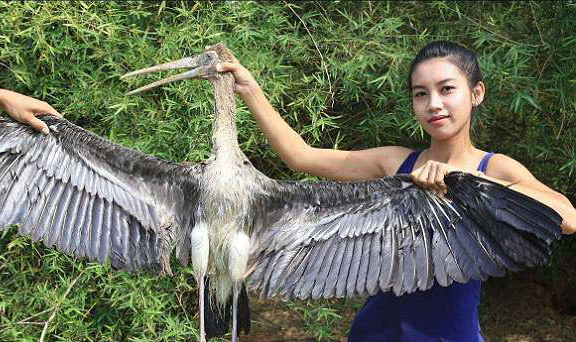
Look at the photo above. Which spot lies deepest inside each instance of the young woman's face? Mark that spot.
(441, 98)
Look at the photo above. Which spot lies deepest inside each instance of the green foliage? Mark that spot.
(336, 71)
(319, 318)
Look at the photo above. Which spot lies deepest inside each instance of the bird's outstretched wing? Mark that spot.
(91, 198)
(332, 239)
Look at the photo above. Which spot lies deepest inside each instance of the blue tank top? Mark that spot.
(440, 314)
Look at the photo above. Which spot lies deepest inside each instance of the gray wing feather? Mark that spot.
(374, 264)
(76, 229)
(272, 277)
(84, 236)
(59, 215)
(423, 256)
(91, 198)
(389, 260)
(68, 225)
(354, 266)
(344, 268)
(321, 268)
(321, 277)
(466, 252)
(331, 239)
(314, 260)
(363, 266)
(301, 262)
(335, 268)
(104, 252)
(397, 277)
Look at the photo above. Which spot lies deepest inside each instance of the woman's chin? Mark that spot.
(440, 133)
(444, 132)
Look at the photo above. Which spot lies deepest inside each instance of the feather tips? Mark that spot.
(86, 202)
(349, 239)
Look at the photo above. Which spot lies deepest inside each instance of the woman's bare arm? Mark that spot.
(511, 173)
(297, 154)
(505, 171)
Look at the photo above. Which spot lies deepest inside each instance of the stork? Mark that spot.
(94, 199)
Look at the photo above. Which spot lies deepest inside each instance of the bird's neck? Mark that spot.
(224, 137)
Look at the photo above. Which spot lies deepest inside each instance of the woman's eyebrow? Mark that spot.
(446, 80)
(437, 83)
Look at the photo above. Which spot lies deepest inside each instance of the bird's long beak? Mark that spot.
(189, 62)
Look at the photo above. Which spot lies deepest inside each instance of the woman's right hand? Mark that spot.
(245, 83)
(24, 109)
(431, 176)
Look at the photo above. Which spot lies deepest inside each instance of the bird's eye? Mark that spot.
(206, 59)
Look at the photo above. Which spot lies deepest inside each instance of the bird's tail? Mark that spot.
(217, 321)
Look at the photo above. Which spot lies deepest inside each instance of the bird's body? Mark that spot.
(228, 185)
(226, 207)
(91, 198)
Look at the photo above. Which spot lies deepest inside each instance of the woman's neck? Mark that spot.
(455, 150)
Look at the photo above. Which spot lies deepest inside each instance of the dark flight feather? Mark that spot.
(478, 229)
(91, 198)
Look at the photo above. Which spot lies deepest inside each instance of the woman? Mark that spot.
(446, 85)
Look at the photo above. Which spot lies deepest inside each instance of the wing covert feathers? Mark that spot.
(88, 197)
(330, 239)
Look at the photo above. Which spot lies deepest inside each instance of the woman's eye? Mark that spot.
(447, 89)
(419, 94)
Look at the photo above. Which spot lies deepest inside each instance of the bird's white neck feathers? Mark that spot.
(225, 137)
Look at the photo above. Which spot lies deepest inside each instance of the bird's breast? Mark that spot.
(226, 195)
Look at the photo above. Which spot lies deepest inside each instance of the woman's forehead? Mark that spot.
(434, 71)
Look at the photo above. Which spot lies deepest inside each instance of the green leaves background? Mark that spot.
(337, 73)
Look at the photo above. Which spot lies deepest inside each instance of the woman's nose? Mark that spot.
(435, 103)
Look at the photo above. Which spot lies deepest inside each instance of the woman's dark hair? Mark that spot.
(464, 59)
(458, 55)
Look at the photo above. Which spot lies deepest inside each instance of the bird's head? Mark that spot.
(202, 66)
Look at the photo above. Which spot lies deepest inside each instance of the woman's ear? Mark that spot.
(478, 93)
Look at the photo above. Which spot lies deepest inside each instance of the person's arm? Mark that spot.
(23, 108)
(297, 154)
(511, 173)
(507, 172)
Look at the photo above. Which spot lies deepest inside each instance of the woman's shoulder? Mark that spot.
(504, 167)
(391, 157)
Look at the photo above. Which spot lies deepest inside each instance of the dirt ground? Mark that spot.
(518, 308)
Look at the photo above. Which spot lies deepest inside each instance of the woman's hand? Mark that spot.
(431, 176)
(24, 109)
(245, 83)
(568, 227)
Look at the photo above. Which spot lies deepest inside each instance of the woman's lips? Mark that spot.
(438, 120)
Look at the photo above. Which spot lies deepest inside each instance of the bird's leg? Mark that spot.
(235, 312)
(199, 253)
(202, 337)
(237, 264)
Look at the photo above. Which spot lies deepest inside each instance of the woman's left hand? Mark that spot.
(24, 109)
(431, 176)
(568, 227)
